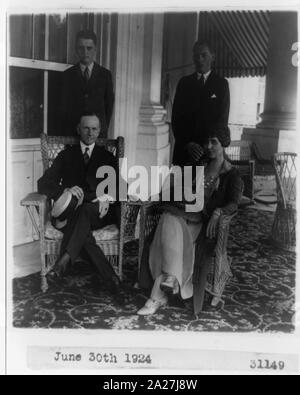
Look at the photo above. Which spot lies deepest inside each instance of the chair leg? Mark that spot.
(199, 288)
(120, 266)
(120, 263)
(44, 283)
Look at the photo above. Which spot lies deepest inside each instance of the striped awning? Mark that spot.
(240, 40)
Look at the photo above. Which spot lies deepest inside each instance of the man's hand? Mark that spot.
(195, 151)
(212, 227)
(76, 191)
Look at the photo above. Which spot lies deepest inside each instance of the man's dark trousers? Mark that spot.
(78, 237)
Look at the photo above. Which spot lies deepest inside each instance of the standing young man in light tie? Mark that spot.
(87, 86)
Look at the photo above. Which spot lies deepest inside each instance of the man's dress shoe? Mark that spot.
(114, 285)
(116, 290)
(61, 265)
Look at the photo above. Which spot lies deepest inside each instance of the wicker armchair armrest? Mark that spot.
(132, 203)
(34, 199)
(150, 215)
(223, 234)
(38, 209)
(225, 220)
(129, 215)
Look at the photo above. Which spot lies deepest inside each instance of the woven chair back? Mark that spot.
(52, 145)
(239, 151)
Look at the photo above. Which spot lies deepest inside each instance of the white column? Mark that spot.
(153, 146)
(277, 130)
(129, 80)
(281, 81)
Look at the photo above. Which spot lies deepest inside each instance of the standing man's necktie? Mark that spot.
(86, 156)
(201, 81)
(86, 75)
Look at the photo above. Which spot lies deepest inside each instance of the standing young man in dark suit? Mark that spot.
(87, 86)
(201, 104)
(74, 170)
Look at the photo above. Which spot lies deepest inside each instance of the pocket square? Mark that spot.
(213, 96)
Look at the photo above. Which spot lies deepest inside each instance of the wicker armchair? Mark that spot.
(150, 216)
(284, 226)
(111, 240)
(239, 154)
(245, 156)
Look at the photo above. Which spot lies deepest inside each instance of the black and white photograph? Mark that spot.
(103, 104)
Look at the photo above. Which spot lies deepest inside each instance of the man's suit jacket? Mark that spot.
(68, 170)
(96, 96)
(196, 110)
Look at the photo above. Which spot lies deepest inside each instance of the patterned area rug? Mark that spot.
(259, 297)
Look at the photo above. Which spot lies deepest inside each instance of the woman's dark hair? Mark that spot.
(222, 134)
(86, 34)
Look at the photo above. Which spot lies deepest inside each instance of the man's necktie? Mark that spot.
(201, 81)
(86, 74)
(86, 156)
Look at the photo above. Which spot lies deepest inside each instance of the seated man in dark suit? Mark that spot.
(74, 170)
(201, 104)
(87, 86)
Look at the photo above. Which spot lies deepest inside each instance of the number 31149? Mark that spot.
(267, 365)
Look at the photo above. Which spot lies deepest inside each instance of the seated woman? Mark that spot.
(184, 238)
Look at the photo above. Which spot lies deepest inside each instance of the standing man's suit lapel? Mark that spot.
(210, 83)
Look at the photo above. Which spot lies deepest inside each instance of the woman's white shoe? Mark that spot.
(215, 301)
(152, 306)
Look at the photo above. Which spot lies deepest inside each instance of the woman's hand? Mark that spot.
(103, 209)
(213, 225)
(195, 151)
(104, 202)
